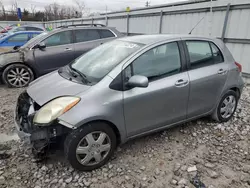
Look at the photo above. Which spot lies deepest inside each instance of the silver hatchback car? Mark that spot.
(127, 88)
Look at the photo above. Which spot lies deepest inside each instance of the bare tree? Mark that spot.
(48, 12)
(3, 9)
(62, 12)
(14, 7)
(55, 10)
(80, 6)
(33, 9)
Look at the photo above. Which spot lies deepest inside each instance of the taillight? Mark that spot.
(239, 66)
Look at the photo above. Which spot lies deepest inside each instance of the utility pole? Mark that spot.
(211, 18)
(147, 3)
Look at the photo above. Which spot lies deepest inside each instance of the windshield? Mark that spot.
(101, 60)
(34, 39)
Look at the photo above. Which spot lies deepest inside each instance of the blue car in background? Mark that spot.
(16, 39)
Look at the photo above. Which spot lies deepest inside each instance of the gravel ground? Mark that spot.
(215, 154)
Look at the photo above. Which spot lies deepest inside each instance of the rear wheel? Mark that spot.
(17, 75)
(90, 146)
(226, 108)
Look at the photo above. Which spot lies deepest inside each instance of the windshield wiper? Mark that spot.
(83, 76)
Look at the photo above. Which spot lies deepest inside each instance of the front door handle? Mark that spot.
(222, 71)
(68, 49)
(181, 83)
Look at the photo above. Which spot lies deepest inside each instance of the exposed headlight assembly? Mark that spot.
(54, 109)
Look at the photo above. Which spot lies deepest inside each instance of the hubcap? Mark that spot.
(93, 148)
(18, 77)
(228, 106)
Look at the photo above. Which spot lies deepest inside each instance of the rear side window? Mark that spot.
(199, 53)
(217, 55)
(203, 53)
(19, 38)
(106, 33)
(57, 39)
(84, 35)
(35, 34)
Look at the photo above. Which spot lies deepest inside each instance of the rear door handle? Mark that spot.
(222, 71)
(68, 49)
(181, 83)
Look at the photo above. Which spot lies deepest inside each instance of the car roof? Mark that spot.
(150, 39)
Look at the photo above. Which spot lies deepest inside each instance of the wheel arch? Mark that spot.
(112, 125)
(237, 91)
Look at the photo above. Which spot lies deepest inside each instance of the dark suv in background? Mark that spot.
(51, 50)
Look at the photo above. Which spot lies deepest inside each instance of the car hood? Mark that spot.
(52, 86)
(10, 57)
(5, 49)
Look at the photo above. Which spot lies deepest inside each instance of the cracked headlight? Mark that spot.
(54, 109)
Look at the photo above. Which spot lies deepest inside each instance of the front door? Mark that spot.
(207, 73)
(59, 51)
(164, 101)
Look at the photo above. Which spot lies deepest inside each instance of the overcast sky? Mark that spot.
(92, 5)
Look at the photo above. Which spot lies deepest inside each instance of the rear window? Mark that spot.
(106, 33)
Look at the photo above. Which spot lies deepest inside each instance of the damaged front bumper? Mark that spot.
(38, 136)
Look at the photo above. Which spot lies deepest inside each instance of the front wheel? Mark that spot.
(90, 146)
(226, 108)
(17, 75)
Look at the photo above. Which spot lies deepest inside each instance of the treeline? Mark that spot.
(52, 11)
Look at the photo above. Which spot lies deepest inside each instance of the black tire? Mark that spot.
(18, 66)
(217, 114)
(73, 139)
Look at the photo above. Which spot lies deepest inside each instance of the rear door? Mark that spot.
(59, 52)
(207, 73)
(85, 40)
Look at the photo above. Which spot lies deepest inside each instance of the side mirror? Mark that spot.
(138, 81)
(16, 47)
(41, 45)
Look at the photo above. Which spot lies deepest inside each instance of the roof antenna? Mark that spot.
(196, 26)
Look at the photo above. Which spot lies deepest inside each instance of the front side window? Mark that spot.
(98, 62)
(57, 39)
(84, 35)
(199, 53)
(106, 33)
(158, 62)
(19, 38)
